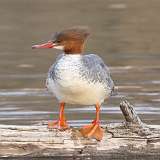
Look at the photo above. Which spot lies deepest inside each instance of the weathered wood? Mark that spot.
(132, 120)
(129, 114)
(119, 139)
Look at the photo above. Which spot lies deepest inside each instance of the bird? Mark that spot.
(77, 78)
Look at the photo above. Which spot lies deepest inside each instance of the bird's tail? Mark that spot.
(114, 91)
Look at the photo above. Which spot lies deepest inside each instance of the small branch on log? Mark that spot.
(129, 114)
(132, 120)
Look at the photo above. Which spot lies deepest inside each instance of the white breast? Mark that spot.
(71, 88)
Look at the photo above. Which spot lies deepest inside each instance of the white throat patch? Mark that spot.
(59, 47)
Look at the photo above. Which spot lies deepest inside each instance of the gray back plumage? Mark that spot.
(95, 70)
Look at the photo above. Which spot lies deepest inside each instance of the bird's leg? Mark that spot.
(61, 122)
(93, 130)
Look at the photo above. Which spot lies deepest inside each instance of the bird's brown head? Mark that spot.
(70, 40)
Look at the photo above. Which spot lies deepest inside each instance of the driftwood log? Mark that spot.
(130, 139)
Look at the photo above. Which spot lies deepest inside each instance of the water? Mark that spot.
(124, 33)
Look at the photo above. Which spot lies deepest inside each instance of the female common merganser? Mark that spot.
(76, 78)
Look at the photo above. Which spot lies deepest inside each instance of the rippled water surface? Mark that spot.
(124, 33)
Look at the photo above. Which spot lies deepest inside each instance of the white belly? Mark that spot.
(77, 91)
(70, 87)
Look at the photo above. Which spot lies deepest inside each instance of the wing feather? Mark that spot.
(97, 70)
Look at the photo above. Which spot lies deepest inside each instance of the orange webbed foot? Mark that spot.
(61, 124)
(92, 131)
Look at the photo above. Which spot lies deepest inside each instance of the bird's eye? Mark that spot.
(58, 41)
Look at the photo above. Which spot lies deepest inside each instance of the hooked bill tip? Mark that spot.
(33, 47)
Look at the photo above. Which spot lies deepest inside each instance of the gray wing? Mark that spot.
(97, 71)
